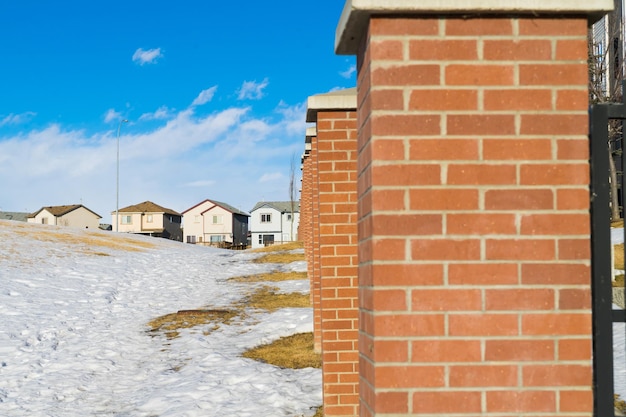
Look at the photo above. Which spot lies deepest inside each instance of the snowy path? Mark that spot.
(73, 338)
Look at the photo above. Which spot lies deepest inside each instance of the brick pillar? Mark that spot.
(474, 275)
(335, 117)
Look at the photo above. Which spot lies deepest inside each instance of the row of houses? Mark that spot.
(208, 223)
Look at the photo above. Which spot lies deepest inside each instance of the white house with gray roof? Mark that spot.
(272, 222)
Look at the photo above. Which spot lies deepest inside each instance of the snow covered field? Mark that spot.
(74, 307)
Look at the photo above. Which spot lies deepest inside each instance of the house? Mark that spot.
(214, 223)
(149, 219)
(273, 222)
(14, 215)
(75, 215)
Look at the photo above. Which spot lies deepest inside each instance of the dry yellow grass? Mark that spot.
(294, 352)
(618, 223)
(267, 298)
(618, 251)
(274, 276)
(278, 248)
(169, 324)
(280, 258)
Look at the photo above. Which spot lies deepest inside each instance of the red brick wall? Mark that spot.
(474, 275)
(336, 137)
(314, 261)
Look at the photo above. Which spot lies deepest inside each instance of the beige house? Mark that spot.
(75, 215)
(149, 219)
(216, 224)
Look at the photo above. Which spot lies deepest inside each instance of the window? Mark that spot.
(289, 217)
(44, 220)
(191, 239)
(216, 238)
(266, 218)
(217, 219)
(149, 218)
(127, 220)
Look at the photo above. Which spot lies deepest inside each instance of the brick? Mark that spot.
(525, 99)
(383, 300)
(572, 50)
(507, 149)
(553, 27)
(403, 125)
(481, 174)
(407, 224)
(388, 150)
(478, 27)
(520, 249)
(405, 174)
(572, 199)
(556, 274)
(519, 199)
(443, 49)
(516, 350)
(387, 50)
(480, 224)
(388, 200)
(572, 99)
(553, 74)
(573, 149)
(575, 249)
(426, 74)
(392, 402)
(551, 124)
(574, 349)
(407, 274)
(483, 324)
(556, 375)
(480, 124)
(403, 26)
(443, 199)
(445, 249)
(519, 299)
(556, 324)
(521, 401)
(443, 149)
(413, 325)
(445, 300)
(482, 274)
(407, 376)
(555, 224)
(574, 299)
(554, 174)
(443, 99)
(391, 351)
(448, 351)
(580, 401)
(483, 375)
(387, 99)
(447, 402)
(517, 50)
(483, 75)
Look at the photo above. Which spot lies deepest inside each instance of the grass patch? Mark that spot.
(270, 276)
(169, 324)
(319, 412)
(278, 248)
(266, 298)
(618, 281)
(279, 258)
(91, 240)
(294, 352)
(618, 251)
(619, 403)
(618, 223)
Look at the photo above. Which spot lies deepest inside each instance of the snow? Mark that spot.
(74, 339)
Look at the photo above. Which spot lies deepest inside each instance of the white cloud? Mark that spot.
(17, 119)
(271, 177)
(349, 72)
(205, 96)
(252, 90)
(111, 115)
(189, 158)
(149, 56)
(161, 113)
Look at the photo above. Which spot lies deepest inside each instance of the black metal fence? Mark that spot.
(609, 319)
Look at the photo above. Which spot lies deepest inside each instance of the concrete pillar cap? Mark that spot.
(335, 100)
(356, 13)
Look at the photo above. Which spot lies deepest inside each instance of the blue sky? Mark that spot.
(214, 94)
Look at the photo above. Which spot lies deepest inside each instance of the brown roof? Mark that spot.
(58, 211)
(148, 207)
